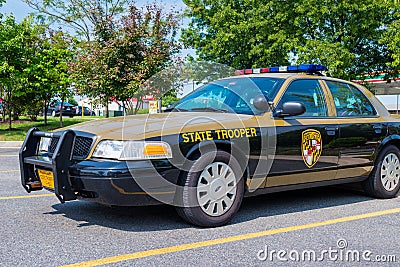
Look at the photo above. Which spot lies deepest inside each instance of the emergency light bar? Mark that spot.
(308, 68)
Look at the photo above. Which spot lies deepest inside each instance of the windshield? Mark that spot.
(229, 95)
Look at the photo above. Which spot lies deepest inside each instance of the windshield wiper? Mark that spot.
(210, 109)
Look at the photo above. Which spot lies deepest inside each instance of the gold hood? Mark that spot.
(138, 127)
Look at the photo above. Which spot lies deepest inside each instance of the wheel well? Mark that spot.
(395, 142)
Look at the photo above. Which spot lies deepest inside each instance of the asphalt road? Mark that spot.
(284, 229)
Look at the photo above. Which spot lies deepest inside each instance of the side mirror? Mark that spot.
(290, 109)
(260, 102)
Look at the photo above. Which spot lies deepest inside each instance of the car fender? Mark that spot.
(393, 139)
(226, 145)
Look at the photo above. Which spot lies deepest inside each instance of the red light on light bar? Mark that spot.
(248, 71)
(264, 70)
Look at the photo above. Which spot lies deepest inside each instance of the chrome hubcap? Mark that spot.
(390, 172)
(216, 189)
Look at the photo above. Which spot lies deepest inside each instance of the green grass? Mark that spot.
(143, 111)
(21, 127)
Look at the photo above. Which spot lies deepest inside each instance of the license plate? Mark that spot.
(46, 178)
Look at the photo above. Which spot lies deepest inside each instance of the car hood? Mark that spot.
(138, 127)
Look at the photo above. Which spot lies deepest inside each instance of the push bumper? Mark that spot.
(103, 181)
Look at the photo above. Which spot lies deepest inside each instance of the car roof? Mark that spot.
(286, 75)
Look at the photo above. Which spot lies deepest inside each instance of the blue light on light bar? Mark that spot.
(311, 67)
(292, 68)
(274, 69)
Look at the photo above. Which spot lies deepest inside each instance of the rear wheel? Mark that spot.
(384, 181)
(212, 190)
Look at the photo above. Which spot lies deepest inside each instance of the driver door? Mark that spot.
(305, 150)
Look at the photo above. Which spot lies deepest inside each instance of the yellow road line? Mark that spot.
(183, 247)
(27, 196)
(9, 170)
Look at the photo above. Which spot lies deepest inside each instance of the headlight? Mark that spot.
(132, 150)
(44, 144)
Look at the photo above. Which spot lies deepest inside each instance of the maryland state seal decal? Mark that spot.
(311, 146)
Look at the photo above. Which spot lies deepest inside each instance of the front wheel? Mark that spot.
(213, 190)
(384, 181)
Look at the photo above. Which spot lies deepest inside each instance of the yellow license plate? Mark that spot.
(46, 178)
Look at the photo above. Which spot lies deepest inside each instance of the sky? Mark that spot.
(20, 9)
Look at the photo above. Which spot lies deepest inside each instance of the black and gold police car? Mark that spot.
(264, 130)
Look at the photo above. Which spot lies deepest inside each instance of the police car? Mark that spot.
(263, 130)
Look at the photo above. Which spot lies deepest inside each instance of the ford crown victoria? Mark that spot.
(264, 130)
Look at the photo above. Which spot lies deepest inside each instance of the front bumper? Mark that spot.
(103, 181)
(125, 183)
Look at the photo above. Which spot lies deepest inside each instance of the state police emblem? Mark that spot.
(311, 146)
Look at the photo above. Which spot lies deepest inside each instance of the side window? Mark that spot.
(349, 101)
(309, 93)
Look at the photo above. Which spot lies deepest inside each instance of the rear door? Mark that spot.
(360, 129)
(303, 152)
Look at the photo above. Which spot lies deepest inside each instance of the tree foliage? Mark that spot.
(33, 66)
(86, 17)
(240, 34)
(141, 44)
(47, 72)
(18, 42)
(391, 38)
(344, 35)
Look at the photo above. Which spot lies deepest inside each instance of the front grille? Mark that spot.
(81, 148)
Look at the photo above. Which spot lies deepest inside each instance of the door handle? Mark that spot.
(331, 130)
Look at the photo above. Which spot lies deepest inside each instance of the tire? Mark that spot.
(384, 180)
(210, 201)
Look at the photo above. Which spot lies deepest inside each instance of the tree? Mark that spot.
(17, 45)
(47, 72)
(141, 44)
(84, 16)
(240, 34)
(392, 39)
(344, 35)
(72, 101)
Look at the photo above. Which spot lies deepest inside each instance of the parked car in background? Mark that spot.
(68, 109)
(87, 111)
